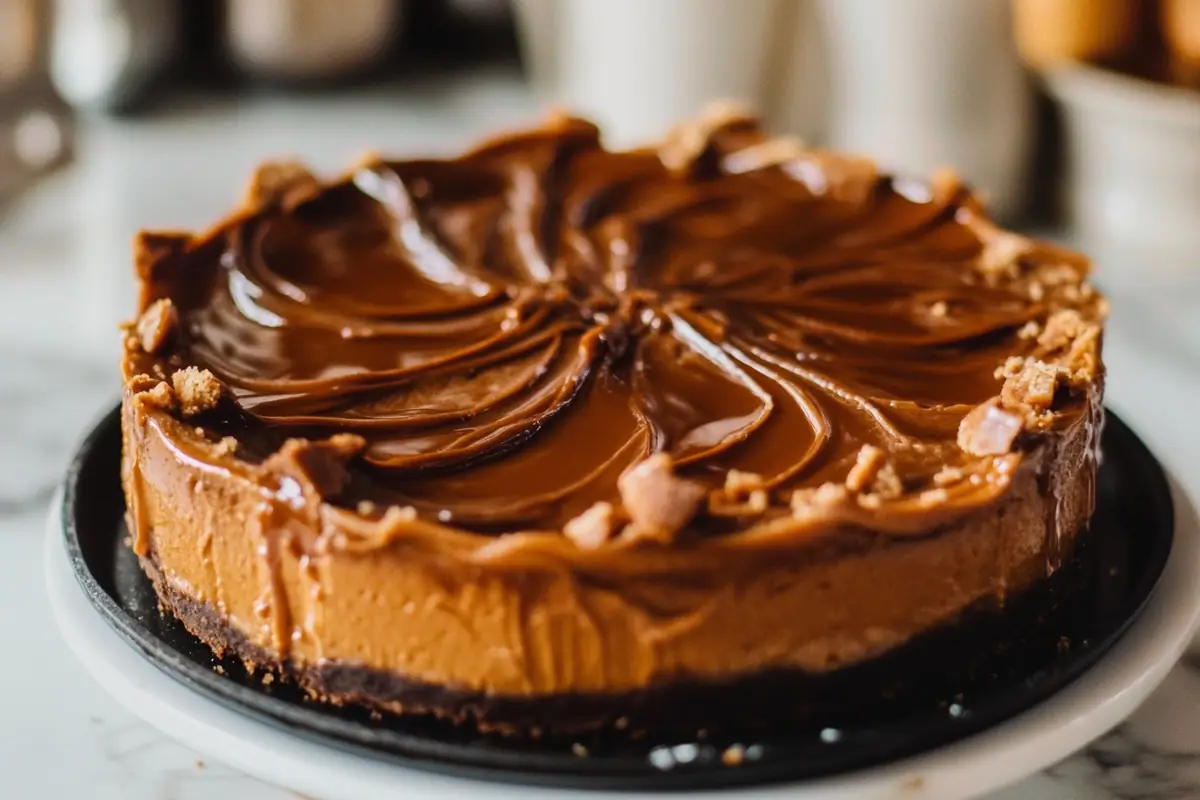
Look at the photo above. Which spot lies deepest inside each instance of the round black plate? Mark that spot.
(963, 680)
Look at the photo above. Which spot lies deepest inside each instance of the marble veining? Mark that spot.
(57, 373)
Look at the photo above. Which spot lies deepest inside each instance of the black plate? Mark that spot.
(959, 681)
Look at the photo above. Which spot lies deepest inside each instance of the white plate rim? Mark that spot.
(1058, 726)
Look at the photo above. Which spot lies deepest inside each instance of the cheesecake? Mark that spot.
(524, 437)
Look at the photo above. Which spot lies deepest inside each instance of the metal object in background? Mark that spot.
(35, 126)
(290, 41)
(109, 54)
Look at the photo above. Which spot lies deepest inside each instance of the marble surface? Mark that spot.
(64, 283)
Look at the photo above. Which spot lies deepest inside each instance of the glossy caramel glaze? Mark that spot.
(511, 330)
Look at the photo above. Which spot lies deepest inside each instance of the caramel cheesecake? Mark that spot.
(518, 437)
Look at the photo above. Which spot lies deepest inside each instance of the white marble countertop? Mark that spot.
(60, 735)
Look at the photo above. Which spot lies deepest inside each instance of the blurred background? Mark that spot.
(1078, 119)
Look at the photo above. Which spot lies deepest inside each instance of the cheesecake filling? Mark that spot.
(552, 418)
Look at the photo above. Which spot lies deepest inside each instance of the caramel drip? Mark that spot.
(512, 329)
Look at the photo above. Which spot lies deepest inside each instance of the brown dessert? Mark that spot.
(518, 436)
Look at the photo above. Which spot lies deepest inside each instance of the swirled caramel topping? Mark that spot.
(727, 333)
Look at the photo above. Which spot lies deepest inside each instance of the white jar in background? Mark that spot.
(922, 84)
(797, 92)
(1133, 172)
(637, 67)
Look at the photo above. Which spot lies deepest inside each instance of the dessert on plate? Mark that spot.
(524, 437)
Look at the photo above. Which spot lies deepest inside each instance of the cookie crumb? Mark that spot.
(279, 182)
(686, 142)
(161, 396)
(157, 325)
(868, 464)
(658, 502)
(989, 430)
(815, 502)
(1002, 255)
(1062, 328)
(948, 475)
(198, 390)
(771, 153)
(226, 447)
(887, 483)
(871, 502)
(593, 527)
(744, 494)
(1033, 386)
(932, 497)
(1011, 367)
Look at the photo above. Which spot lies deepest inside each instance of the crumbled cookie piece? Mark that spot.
(284, 182)
(948, 475)
(771, 153)
(198, 390)
(744, 494)
(884, 485)
(686, 142)
(157, 325)
(1030, 330)
(944, 184)
(872, 502)
(868, 464)
(838, 176)
(887, 483)
(346, 445)
(939, 310)
(161, 395)
(989, 430)
(1033, 387)
(932, 497)
(1037, 291)
(1056, 275)
(818, 501)
(658, 502)
(1062, 328)
(1011, 366)
(1001, 255)
(226, 447)
(395, 515)
(593, 527)
(1083, 359)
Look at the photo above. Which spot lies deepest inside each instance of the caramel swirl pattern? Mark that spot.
(510, 331)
